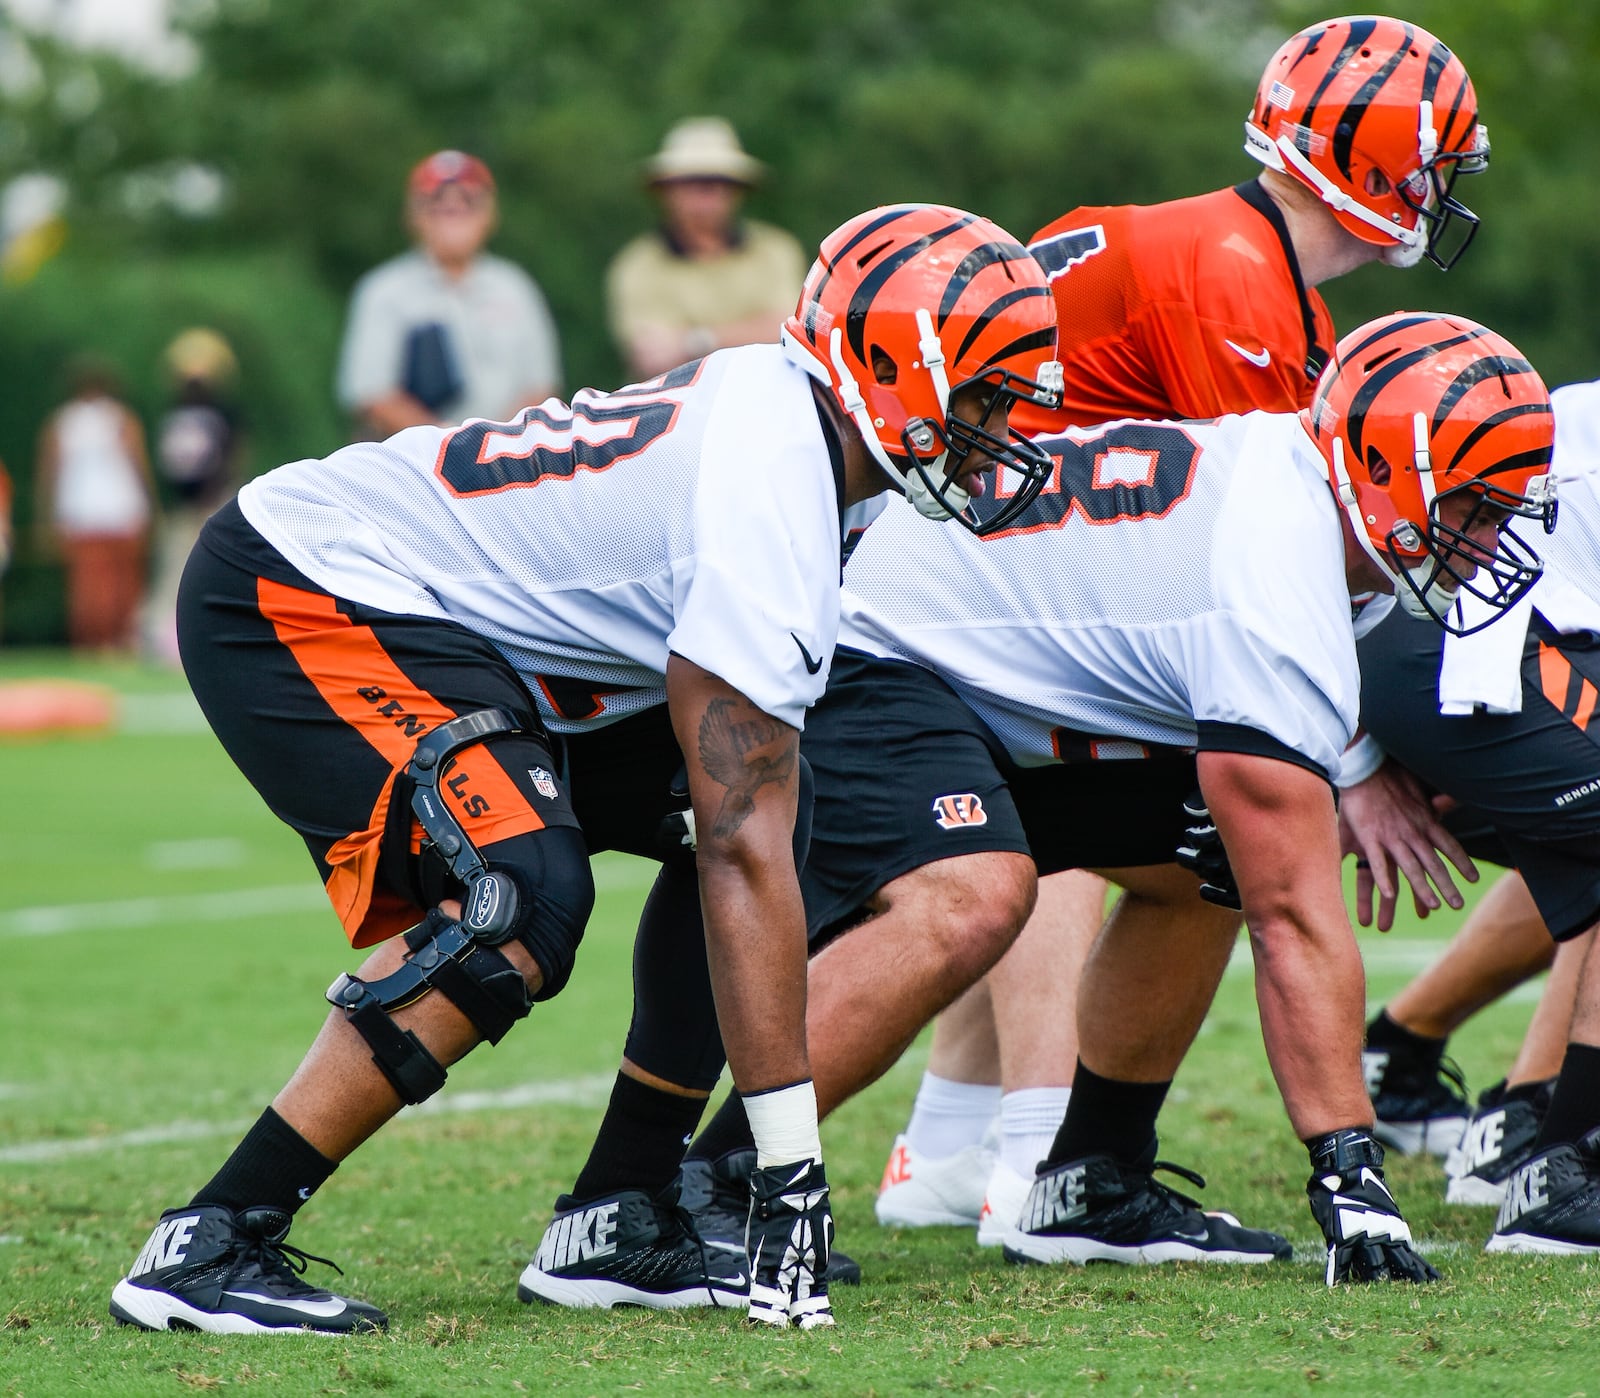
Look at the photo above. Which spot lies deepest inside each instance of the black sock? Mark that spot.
(1404, 1047)
(641, 1140)
(273, 1167)
(1107, 1117)
(728, 1129)
(1575, 1103)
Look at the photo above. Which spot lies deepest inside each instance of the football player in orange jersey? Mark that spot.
(1197, 308)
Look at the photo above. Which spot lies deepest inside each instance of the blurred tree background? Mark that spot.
(249, 192)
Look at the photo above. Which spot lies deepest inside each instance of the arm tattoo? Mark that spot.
(737, 753)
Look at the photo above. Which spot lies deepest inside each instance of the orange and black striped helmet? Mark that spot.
(1417, 406)
(1378, 118)
(904, 306)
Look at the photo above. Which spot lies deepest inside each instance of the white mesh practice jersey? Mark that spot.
(1170, 575)
(1572, 553)
(697, 513)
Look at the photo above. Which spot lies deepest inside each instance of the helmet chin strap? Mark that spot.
(908, 479)
(1284, 156)
(1416, 581)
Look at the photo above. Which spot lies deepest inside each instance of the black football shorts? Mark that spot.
(1528, 783)
(907, 774)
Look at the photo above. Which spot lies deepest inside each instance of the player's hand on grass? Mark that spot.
(1368, 1238)
(788, 1239)
(1389, 823)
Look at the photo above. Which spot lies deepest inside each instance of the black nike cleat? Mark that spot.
(631, 1250)
(717, 1196)
(1099, 1210)
(1552, 1202)
(1499, 1137)
(208, 1268)
(1421, 1108)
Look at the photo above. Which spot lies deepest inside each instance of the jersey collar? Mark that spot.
(835, 444)
(1258, 199)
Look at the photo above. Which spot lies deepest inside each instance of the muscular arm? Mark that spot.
(743, 778)
(1277, 821)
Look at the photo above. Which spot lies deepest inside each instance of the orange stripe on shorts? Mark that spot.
(361, 683)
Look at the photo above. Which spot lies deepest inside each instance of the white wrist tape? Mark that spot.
(784, 1124)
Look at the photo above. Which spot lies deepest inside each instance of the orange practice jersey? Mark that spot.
(1189, 309)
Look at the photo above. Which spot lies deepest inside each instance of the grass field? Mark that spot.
(164, 950)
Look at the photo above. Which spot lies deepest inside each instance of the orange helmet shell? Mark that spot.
(1375, 115)
(1415, 406)
(986, 297)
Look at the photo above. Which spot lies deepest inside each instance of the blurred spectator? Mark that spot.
(705, 279)
(197, 456)
(446, 331)
(93, 493)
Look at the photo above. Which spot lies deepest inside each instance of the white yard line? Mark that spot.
(587, 1091)
(610, 876)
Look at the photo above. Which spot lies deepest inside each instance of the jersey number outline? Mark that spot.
(1061, 252)
(484, 458)
(1127, 471)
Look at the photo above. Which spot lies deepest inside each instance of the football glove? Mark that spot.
(1204, 856)
(787, 1240)
(1368, 1239)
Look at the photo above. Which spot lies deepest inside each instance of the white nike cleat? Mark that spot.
(920, 1191)
(1002, 1204)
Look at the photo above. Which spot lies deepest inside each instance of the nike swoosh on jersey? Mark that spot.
(332, 1307)
(1260, 358)
(812, 666)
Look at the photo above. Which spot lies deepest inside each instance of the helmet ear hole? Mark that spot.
(884, 369)
(1378, 468)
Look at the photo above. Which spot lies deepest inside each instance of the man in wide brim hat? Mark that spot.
(705, 279)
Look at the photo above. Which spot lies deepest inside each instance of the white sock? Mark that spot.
(950, 1116)
(1029, 1120)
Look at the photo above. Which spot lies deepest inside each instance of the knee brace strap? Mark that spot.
(444, 956)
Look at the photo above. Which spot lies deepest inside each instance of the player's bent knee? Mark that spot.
(551, 868)
(972, 906)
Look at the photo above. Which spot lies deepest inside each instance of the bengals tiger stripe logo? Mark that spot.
(959, 809)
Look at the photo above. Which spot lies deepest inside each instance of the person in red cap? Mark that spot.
(446, 331)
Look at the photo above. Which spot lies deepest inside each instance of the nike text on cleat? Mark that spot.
(1420, 1108)
(1002, 1204)
(630, 1250)
(1100, 1210)
(225, 1273)
(1260, 358)
(1552, 1202)
(920, 1191)
(1500, 1136)
(717, 1195)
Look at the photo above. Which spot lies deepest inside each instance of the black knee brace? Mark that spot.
(461, 957)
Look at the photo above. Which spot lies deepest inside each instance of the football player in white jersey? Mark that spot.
(458, 661)
(1503, 723)
(1179, 607)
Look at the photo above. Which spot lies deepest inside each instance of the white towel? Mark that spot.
(1485, 668)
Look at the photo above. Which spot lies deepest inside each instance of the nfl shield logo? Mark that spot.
(543, 783)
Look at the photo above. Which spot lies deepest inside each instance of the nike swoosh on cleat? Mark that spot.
(1260, 358)
(326, 1309)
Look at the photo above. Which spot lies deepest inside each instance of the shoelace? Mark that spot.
(1451, 1072)
(685, 1220)
(277, 1256)
(1192, 1176)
